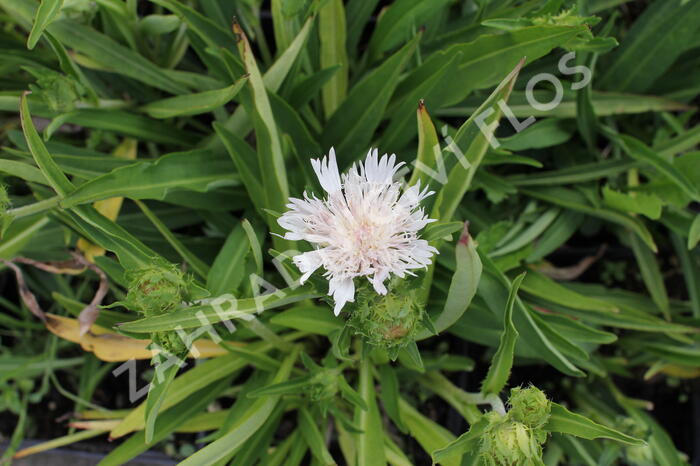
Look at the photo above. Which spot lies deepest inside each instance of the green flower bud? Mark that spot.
(635, 454)
(324, 385)
(388, 321)
(529, 406)
(170, 342)
(156, 289)
(508, 443)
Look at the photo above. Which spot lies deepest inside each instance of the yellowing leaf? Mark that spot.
(112, 347)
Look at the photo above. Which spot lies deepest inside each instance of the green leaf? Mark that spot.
(657, 38)
(527, 236)
(694, 233)
(651, 274)
(193, 261)
(493, 288)
(543, 133)
(230, 308)
(112, 55)
(487, 59)
(53, 173)
(270, 157)
(429, 154)
(580, 173)
(47, 11)
(540, 285)
(331, 32)
(19, 233)
(639, 151)
(430, 435)
(471, 143)
(193, 104)
(639, 203)
(314, 438)
(167, 423)
(198, 170)
(245, 160)
(502, 361)
(440, 230)
(129, 124)
(369, 443)
(465, 443)
(210, 32)
(463, 285)
(573, 200)
(23, 170)
(398, 21)
(564, 421)
(604, 104)
(297, 385)
(350, 128)
(247, 424)
(308, 318)
(162, 379)
(390, 395)
(228, 270)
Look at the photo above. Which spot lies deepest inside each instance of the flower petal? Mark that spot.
(342, 290)
(377, 280)
(327, 172)
(307, 263)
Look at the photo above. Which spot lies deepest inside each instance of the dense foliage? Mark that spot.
(150, 292)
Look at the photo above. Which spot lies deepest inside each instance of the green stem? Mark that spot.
(34, 208)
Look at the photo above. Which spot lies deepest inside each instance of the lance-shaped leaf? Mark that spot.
(352, 125)
(47, 11)
(502, 361)
(466, 442)
(430, 435)
(53, 173)
(112, 55)
(198, 170)
(163, 376)
(370, 443)
(331, 31)
(429, 168)
(220, 309)
(565, 422)
(201, 268)
(469, 147)
(187, 383)
(651, 274)
(463, 286)
(193, 104)
(247, 424)
(574, 200)
(493, 288)
(640, 151)
(168, 422)
(314, 438)
(270, 158)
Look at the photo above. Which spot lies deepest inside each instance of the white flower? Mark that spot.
(365, 228)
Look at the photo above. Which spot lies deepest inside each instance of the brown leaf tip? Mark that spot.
(464, 237)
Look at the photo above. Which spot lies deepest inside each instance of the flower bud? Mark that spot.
(637, 455)
(324, 385)
(170, 342)
(509, 443)
(156, 289)
(388, 321)
(529, 406)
